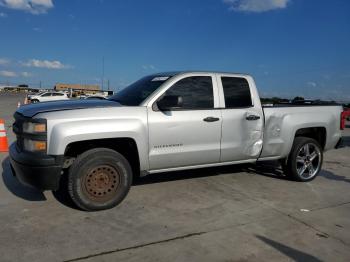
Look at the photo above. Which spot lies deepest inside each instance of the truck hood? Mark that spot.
(34, 109)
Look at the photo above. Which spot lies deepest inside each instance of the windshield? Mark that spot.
(137, 92)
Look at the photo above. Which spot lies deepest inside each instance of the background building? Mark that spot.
(77, 88)
(18, 89)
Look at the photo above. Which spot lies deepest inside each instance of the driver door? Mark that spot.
(189, 134)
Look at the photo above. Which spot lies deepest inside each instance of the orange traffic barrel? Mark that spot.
(3, 139)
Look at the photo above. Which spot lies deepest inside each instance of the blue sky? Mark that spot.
(291, 47)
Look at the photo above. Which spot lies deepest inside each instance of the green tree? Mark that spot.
(298, 98)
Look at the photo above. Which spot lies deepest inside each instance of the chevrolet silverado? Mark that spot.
(165, 122)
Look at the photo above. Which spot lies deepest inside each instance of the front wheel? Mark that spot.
(99, 179)
(305, 159)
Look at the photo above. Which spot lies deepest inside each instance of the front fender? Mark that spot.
(63, 134)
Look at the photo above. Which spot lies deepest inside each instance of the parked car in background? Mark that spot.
(347, 113)
(47, 96)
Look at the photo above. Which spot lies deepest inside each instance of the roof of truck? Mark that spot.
(174, 73)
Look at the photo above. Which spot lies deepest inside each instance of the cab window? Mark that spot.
(237, 92)
(196, 92)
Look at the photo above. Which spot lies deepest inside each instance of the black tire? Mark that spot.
(290, 167)
(99, 179)
(34, 101)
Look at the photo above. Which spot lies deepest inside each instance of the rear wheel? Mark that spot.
(99, 179)
(305, 159)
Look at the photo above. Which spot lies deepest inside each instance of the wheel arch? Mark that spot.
(317, 133)
(126, 146)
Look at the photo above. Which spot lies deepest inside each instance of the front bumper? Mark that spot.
(39, 171)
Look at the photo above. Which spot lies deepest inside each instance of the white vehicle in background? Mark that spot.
(47, 96)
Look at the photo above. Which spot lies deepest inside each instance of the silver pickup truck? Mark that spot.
(165, 122)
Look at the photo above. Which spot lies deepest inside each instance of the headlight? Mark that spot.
(34, 128)
(34, 145)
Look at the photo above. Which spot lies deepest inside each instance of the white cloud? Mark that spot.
(37, 29)
(4, 61)
(327, 76)
(31, 6)
(148, 67)
(26, 74)
(8, 74)
(45, 64)
(256, 6)
(312, 84)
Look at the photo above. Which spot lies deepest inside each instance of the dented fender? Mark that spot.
(282, 123)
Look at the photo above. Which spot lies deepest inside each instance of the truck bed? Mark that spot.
(283, 121)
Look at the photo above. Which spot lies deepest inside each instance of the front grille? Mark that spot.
(18, 124)
(19, 143)
(18, 129)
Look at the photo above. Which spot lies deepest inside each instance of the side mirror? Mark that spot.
(167, 103)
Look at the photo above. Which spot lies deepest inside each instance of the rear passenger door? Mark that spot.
(242, 124)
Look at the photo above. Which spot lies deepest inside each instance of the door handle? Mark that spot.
(211, 119)
(252, 117)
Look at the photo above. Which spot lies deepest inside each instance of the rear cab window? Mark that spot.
(236, 92)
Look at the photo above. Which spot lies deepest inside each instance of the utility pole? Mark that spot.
(108, 84)
(40, 84)
(103, 71)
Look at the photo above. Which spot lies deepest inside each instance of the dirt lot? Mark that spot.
(238, 213)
